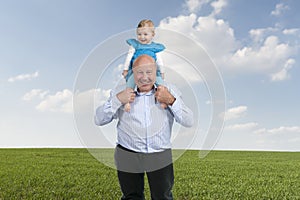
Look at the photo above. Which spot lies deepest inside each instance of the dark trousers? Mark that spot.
(158, 168)
(160, 182)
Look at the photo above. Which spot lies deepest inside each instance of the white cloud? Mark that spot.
(209, 31)
(183, 24)
(62, 101)
(90, 99)
(280, 8)
(102, 95)
(23, 77)
(59, 102)
(283, 73)
(214, 35)
(242, 127)
(178, 70)
(35, 93)
(264, 53)
(266, 58)
(94, 97)
(280, 130)
(292, 31)
(235, 113)
(195, 5)
(218, 6)
(258, 35)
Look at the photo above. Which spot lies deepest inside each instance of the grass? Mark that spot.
(239, 175)
(75, 174)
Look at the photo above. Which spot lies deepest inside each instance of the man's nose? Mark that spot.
(145, 75)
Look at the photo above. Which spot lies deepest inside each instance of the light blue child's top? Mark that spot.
(141, 49)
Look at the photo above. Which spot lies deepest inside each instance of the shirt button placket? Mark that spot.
(147, 120)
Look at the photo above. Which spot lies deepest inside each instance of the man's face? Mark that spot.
(145, 75)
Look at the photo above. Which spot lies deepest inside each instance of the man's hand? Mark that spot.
(126, 96)
(163, 95)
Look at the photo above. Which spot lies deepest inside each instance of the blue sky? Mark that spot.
(254, 44)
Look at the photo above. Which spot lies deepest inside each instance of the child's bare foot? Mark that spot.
(163, 105)
(127, 107)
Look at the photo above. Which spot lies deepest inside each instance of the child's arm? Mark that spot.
(128, 58)
(160, 64)
(127, 61)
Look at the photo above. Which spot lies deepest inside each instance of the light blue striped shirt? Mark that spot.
(147, 127)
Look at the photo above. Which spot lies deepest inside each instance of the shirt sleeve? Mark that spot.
(108, 111)
(182, 114)
(128, 58)
(159, 61)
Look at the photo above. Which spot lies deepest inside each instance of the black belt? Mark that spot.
(125, 149)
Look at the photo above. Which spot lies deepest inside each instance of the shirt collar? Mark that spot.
(145, 93)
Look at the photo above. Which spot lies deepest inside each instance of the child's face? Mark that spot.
(145, 35)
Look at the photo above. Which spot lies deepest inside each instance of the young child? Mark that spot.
(143, 45)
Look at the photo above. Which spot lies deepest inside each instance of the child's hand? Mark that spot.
(124, 73)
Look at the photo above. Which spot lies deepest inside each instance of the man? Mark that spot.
(144, 133)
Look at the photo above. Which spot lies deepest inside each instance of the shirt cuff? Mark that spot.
(176, 106)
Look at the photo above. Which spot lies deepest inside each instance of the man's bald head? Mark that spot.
(144, 72)
(143, 60)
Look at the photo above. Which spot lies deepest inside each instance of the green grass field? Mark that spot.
(75, 174)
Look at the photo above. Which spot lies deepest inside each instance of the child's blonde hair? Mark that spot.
(146, 23)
